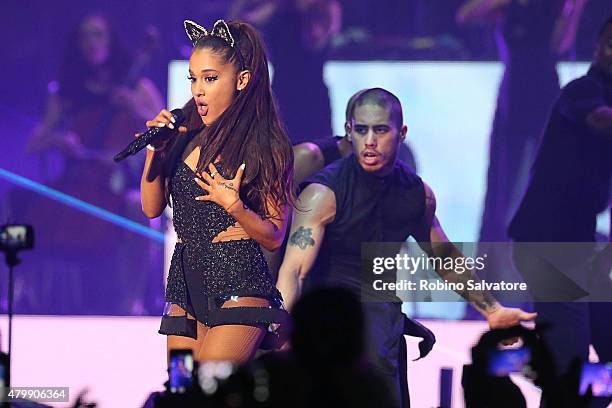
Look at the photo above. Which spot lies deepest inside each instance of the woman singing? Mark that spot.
(228, 176)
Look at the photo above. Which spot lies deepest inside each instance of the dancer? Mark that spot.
(531, 35)
(310, 157)
(569, 186)
(228, 177)
(370, 196)
(299, 35)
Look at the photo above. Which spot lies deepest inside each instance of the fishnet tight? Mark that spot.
(230, 342)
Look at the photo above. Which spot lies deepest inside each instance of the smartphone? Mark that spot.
(180, 371)
(505, 361)
(599, 377)
(15, 237)
(5, 380)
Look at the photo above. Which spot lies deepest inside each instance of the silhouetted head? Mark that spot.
(328, 327)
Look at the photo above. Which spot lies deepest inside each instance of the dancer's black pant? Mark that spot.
(384, 338)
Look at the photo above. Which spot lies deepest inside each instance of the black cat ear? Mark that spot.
(220, 29)
(195, 31)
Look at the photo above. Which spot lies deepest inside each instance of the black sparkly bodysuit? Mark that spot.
(203, 274)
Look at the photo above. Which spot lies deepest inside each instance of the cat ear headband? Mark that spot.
(220, 29)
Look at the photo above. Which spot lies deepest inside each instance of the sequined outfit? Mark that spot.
(203, 274)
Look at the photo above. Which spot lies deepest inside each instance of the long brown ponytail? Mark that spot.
(249, 131)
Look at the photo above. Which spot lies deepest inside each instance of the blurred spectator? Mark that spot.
(93, 110)
(298, 34)
(531, 35)
(485, 388)
(569, 187)
(327, 366)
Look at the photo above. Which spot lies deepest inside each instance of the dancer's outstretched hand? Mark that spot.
(505, 317)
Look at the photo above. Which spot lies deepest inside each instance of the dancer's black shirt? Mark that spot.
(570, 178)
(368, 209)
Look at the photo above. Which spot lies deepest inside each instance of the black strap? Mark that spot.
(247, 316)
(179, 326)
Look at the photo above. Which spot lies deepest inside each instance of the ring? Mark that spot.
(212, 175)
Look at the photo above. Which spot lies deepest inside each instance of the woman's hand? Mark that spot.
(163, 119)
(220, 190)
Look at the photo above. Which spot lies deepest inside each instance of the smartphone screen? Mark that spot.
(599, 377)
(180, 371)
(16, 236)
(506, 361)
(4, 370)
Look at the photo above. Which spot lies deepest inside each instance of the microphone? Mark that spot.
(146, 138)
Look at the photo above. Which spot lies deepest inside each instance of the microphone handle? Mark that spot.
(138, 144)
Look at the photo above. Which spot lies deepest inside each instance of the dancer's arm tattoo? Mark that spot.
(302, 238)
(481, 299)
(485, 301)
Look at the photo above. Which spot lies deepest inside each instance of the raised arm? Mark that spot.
(335, 10)
(316, 208)
(431, 232)
(147, 98)
(255, 12)
(41, 138)
(152, 188)
(478, 10)
(566, 26)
